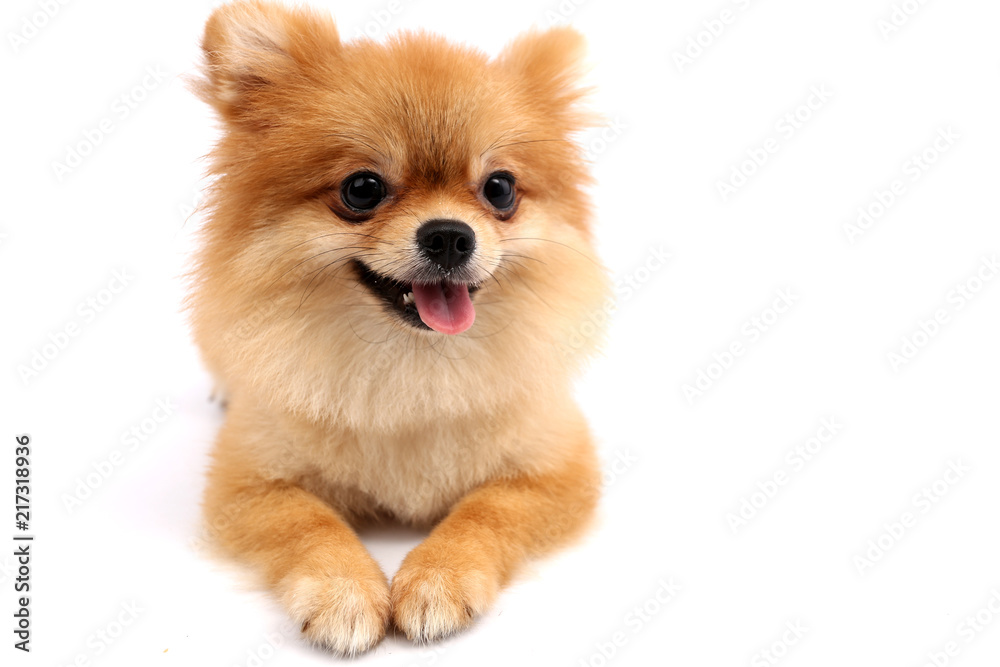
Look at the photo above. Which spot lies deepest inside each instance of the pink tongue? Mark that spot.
(444, 307)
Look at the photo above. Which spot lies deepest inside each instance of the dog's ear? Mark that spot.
(254, 48)
(550, 64)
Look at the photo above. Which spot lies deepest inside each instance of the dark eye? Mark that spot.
(499, 190)
(362, 192)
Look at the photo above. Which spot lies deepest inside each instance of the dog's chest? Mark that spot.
(416, 476)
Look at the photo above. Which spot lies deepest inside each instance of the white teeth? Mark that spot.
(408, 298)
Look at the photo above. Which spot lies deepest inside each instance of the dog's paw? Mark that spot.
(345, 614)
(432, 597)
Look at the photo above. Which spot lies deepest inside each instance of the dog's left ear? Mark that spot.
(254, 49)
(550, 63)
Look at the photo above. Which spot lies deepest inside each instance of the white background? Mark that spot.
(682, 465)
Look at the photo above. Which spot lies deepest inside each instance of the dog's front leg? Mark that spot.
(303, 549)
(456, 573)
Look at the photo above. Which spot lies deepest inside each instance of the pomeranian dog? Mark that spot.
(396, 287)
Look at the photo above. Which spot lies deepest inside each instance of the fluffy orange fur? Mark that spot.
(338, 412)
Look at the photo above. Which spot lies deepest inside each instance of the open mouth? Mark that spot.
(443, 306)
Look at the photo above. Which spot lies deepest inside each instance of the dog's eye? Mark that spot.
(499, 190)
(362, 192)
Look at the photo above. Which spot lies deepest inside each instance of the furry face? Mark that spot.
(396, 259)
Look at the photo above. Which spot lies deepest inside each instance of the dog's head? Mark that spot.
(406, 193)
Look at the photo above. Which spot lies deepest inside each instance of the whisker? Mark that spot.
(501, 329)
(502, 137)
(363, 143)
(323, 236)
(529, 141)
(319, 272)
(370, 342)
(512, 254)
(536, 238)
(319, 254)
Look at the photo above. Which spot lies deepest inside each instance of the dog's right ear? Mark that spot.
(252, 49)
(550, 65)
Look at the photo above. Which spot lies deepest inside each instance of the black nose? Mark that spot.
(447, 243)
